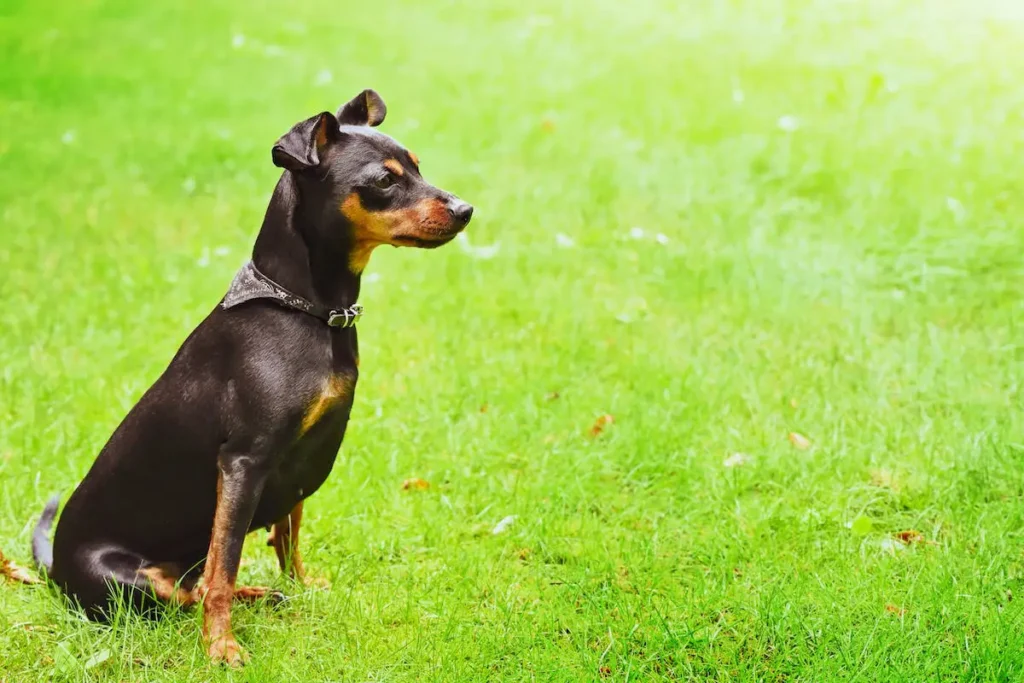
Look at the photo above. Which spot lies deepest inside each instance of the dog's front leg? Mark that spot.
(284, 537)
(240, 482)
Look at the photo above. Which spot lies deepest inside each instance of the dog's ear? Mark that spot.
(299, 149)
(365, 109)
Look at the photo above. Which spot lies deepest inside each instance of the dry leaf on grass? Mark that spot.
(893, 609)
(600, 423)
(483, 408)
(415, 484)
(799, 440)
(909, 537)
(17, 573)
(32, 627)
(605, 671)
(552, 396)
(523, 554)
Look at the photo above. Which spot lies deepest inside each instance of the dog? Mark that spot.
(246, 421)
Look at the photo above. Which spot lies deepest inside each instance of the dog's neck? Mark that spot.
(282, 252)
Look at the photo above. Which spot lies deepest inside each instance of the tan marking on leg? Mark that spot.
(16, 572)
(395, 166)
(164, 580)
(218, 590)
(254, 593)
(336, 388)
(284, 537)
(286, 544)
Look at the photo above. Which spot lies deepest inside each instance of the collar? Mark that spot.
(250, 283)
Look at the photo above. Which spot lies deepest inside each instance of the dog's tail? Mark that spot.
(42, 546)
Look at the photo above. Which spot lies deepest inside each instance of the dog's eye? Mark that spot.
(384, 182)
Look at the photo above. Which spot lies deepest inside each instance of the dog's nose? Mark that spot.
(460, 210)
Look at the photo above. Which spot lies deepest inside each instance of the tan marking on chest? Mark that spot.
(336, 389)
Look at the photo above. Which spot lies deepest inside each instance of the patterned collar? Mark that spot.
(249, 284)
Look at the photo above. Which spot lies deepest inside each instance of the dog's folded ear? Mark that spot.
(299, 149)
(365, 109)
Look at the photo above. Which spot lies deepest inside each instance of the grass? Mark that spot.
(720, 223)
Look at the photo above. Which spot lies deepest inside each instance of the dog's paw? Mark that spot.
(226, 650)
(256, 593)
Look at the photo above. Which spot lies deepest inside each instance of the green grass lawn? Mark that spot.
(721, 223)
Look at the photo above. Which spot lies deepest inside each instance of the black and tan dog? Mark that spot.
(247, 420)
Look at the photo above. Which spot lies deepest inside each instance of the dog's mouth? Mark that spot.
(425, 241)
(431, 223)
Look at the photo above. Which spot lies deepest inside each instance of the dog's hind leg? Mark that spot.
(256, 593)
(284, 537)
(167, 584)
(147, 586)
(98, 575)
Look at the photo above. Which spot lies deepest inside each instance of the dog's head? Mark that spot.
(368, 185)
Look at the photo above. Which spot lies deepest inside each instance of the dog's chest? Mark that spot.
(322, 425)
(335, 395)
(306, 463)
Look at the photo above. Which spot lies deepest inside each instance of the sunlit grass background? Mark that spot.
(720, 223)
